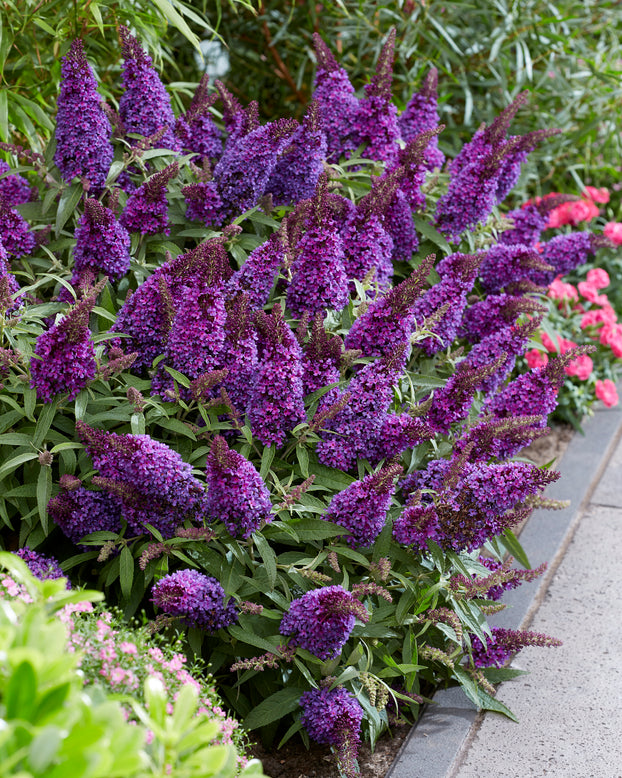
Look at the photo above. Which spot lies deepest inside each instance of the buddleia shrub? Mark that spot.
(256, 381)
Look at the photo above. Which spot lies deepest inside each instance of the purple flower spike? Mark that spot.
(83, 147)
(321, 620)
(321, 359)
(145, 106)
(152, 481)
(146, 210)
(102, 244)
(258, 274)
(276, 402)
(198, 600)
(196, 129)
(415, 525)
(64, 356)
(375, 122)
(362, 507)
(80, 512)
(421, 114)
(318, 275)
(333, 717)
(41, 566)
(236, 493)
(14, 189)
(9, 285)
(337, 102)
(298, 169)
(203, 203)
(243, 171)
(15, 233)
(506, 264)
(504, 643)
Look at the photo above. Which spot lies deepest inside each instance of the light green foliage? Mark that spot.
(35, 34)
(52, 727)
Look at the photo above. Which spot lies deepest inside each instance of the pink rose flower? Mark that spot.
(559, 290)
(613, 231)
(582, 211)
(607, 392)
(598, 278)
(590, 293)
(536, 358)
(581, 367)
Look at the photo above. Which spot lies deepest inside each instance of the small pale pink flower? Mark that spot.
(607, 392)
(596, 195)
(613, 231)
(598, 278)
(536, 358)
(581, 367)
(128, 648)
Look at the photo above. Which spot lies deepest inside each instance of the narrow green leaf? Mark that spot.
(267, 555)
(126, 571)
(513, 547)
(44, 492)
(275, 707)
(21, 692)
(13, 463)
(44, 423)
(251, 639)
(267, 455)
(178, 22)
(302, 454)
(67, 205)
(431, 234)
(30, 400)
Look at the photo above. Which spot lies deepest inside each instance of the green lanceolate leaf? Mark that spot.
(274, 708)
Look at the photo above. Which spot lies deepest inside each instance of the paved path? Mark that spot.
(570, 705)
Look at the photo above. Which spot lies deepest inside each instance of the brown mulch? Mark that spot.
(295, 761)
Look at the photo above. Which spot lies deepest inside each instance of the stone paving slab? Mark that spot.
(437, 746)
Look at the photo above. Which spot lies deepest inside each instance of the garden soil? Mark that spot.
(295, 761)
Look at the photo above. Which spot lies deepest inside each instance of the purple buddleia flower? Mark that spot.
(42, 567)
(197, 600)
(375, 122)
(14, 189)
(298, 169)
(238, 121)
(514, 577)
(476, 502)
(488, 139)
(337, 103)
(399, 432)
(319, 278)
(492, 437)
(102, 244)
(83, 147)
(258, 274)
(421, 114)
(506, 264)
(196, 336)
(504, 643)
(203, 203)
(321, 359)
(276, 402)
(321, 620)
(399, 225)
(242, 173)
(531, 394)
(509, 340)
(9, 285)
(239, 351)
(453, 401)
(512, 163)
(196, 129)
(362, 507)
(146, 316)
(152, 481)
(15, 233)
(413, 161)
(144, 106)
(528, 225)
(488, 316)
(236, 493)
(389, 319)
(367, 246)
(80, 512)
(458, 273)
(64, 355)
(333, 717)
(565, 253)
(207, 264)
(471, 194)
(146, 210)
(354, 432)
(416, 524)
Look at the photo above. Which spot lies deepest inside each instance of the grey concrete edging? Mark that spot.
(435, 744)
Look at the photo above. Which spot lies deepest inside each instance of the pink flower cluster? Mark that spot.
(580, 210)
